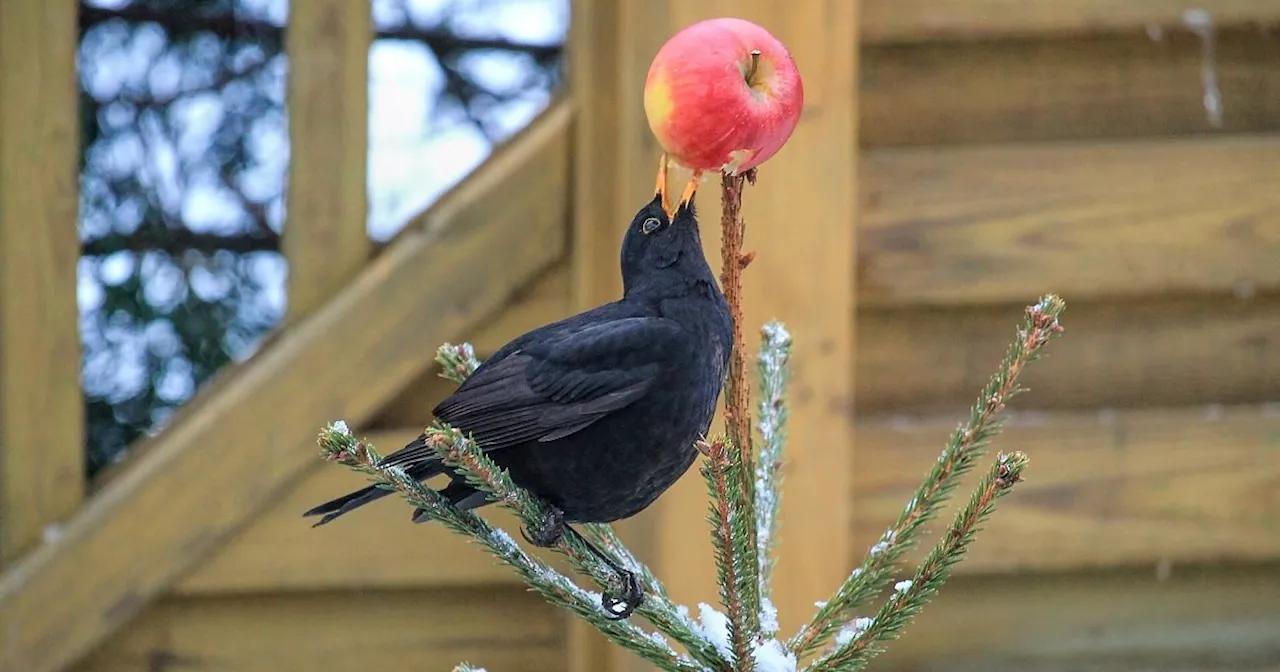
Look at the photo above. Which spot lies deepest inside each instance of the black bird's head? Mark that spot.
(658, 244)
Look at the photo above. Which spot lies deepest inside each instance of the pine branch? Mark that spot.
(745, 618)
(456, 361)
(861, 644)
(775, 353)
(338, 444)
(721, 470)
(459, 361)
(964, 447)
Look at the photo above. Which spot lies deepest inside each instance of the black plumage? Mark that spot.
(597, 414)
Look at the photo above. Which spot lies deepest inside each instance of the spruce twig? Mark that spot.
(856, 647)
(338, 444)
(733, 506)
(772, 368)
(721, 469)
(963, 448)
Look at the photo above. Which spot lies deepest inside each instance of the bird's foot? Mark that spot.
(623, 596)
(549, 532)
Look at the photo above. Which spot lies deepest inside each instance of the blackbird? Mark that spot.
(599, 413)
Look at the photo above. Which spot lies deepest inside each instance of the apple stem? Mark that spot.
(755, 64)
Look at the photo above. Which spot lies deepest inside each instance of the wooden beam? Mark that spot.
(613, 146)
(804, 276)
(1141, 352)
(544, 300)
(916, 20)
(203, 477)
(1084, 220)
(279, 551)
(1188, 619)
(615, 162)
(41, 405)
(1066, 88)
(504, 628)
(325, 238)
(1103, 489)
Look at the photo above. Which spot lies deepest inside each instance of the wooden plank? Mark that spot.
(915, 20)
(1124, 488)
(1107, 489)
(823, 37)
(615, 162)
(325, 239)
(1195, 619)
(504, 628)
(41, 405)
(1143, 352)
(1074, 88)
(1084, 220)
(221, 462)
(279, 551)
(804, 275)
(544, 300)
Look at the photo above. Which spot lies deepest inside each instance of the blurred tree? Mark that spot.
(184, 166)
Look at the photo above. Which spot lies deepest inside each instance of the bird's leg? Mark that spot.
(623, 596)
(664, 163)
(549, 532)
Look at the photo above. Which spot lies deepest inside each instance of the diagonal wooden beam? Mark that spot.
(235, 449)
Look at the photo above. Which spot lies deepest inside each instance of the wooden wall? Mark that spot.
(996, 150)
(1009, 151)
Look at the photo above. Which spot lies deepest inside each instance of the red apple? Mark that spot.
(723, 94)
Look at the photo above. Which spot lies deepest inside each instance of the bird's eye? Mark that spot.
(650, 225)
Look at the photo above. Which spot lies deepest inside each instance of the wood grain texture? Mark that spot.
(280, 551)
(504, 628)
(1143, 352)
(913, 20)
(193, 485)
(1216, 349)
(41, 405)
(1069, 88)
(325, 239)
(1083, 220)
(1195, 619)
(547, 299)
(1103, 489)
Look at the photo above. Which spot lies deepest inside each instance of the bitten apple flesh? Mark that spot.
(723, 94)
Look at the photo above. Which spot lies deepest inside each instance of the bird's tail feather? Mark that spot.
(416, 466)
(461, 495)
(346, 503)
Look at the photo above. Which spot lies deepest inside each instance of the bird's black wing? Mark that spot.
(551, 389)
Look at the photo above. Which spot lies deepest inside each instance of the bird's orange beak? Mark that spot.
(663, 165)
(690, 189)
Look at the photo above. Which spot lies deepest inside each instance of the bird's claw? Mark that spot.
(623, 597)
(549, 532)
